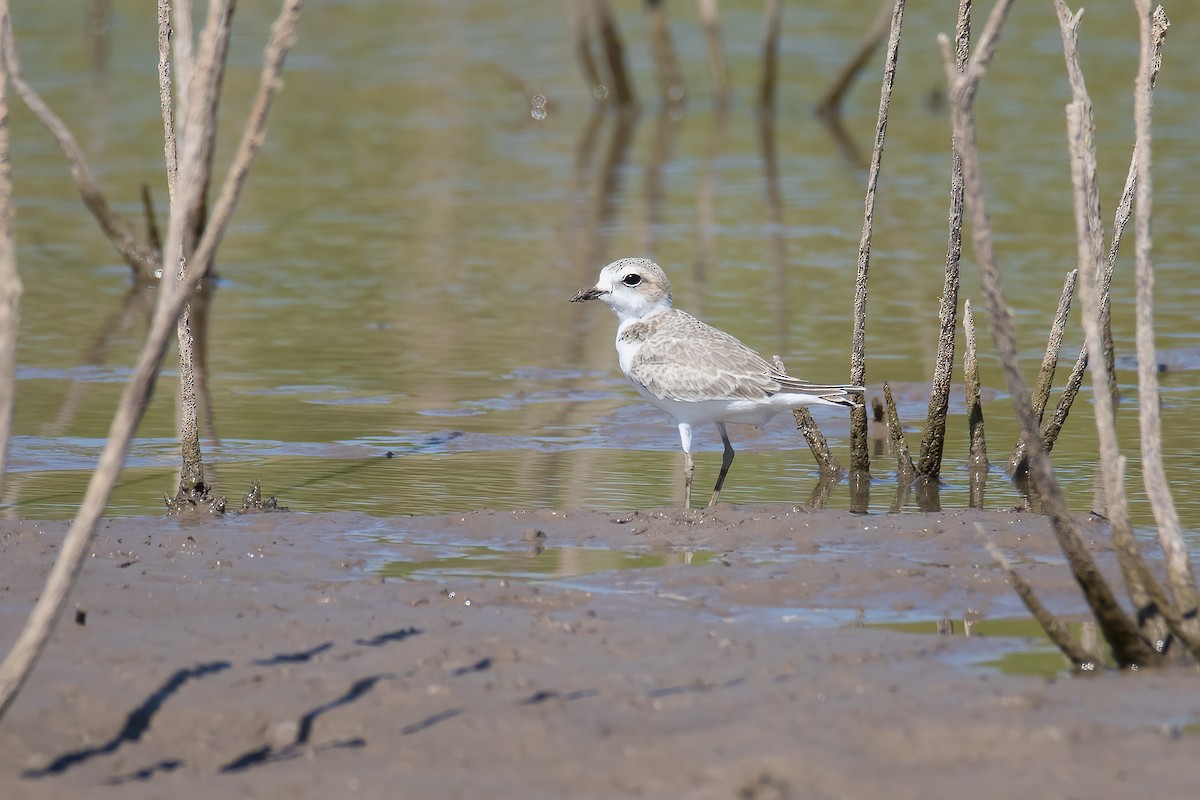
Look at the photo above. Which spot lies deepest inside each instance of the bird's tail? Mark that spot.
(834, 394)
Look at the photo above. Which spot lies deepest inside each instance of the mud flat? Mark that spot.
(750, 652)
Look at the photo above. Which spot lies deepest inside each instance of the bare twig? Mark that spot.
(1058, 633)
(198, 132)
(860, 459)
(978, 448)
(904, 463)
(1179, 569)
(1045, 380)
(10, 280)
(934, 439)
(141, 259)
(173, 295)
(1122, 634)
(165, 101)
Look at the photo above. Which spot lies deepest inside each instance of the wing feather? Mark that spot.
(685, 359)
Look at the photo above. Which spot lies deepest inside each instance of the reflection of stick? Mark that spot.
(1057, 632)
(581, 23)
(171, 299)
(1090, 238)
(860, 458)
(830, 105)
(904, 463)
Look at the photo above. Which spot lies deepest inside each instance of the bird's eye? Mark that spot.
(632, 279)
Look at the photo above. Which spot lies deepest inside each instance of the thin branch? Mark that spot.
(904, 462)
(934, 440)
(1090, 238)
(1053, 426)
(826, 463)
(977, 464)
(1179, 569)
(172, 296)
(1045, 380)
(1128, 647)
(119, 231)
(860, 459)
(1057, 632)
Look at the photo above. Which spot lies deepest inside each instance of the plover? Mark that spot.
(693, 371)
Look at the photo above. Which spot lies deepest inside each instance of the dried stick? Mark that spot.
(10, 281)
(1090, 237)
(141, 259)
(666, 62)
(199, 129)
(20, 660)
(1057, 632)
(718, 70)
(614, 54)
(1053, 426)
(830, 104)
(1179, 569)
(904, 462)
(860, 459)
(165, 100)
(826, 463)
(773, 16)
(1127, 645)
(934, 439)
(977, 464)
(1045, 380)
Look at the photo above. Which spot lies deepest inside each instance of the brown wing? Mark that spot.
(682, 358)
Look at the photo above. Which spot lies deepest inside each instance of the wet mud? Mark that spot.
(766, 652)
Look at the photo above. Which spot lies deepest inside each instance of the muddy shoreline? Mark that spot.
(567, 654)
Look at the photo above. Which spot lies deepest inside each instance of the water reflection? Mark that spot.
(405, 291)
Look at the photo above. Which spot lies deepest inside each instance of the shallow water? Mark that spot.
(395, 281)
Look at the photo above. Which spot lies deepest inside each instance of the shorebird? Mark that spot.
(691, 370)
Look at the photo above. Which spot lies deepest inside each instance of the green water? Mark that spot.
(397, 275)
(1025, 648)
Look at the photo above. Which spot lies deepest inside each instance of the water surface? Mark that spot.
(397, 275)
